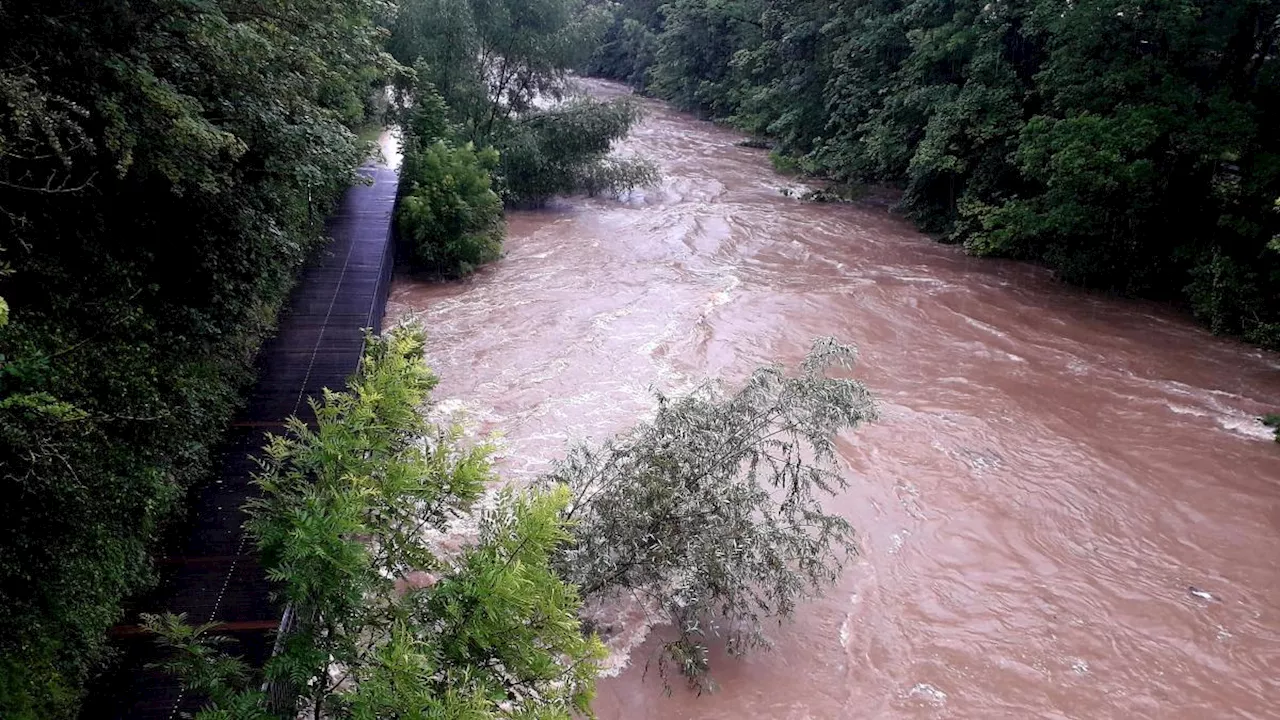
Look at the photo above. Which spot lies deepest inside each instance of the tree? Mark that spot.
(492, 60)
(698, 42)
(565, 149)
(781, 93)
(501, 73)
(386, 626)
(629, 45)
(713, 509)
(449, 214)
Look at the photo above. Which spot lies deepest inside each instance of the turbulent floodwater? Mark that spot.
(1067, 510)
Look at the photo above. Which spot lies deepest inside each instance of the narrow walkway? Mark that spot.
(215, 576)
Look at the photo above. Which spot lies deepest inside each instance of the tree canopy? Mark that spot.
(713, 511)
(164, 169)
(387, 627)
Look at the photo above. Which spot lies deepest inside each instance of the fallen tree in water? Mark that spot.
(712, 511)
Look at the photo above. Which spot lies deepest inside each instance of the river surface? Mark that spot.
(1068, 509)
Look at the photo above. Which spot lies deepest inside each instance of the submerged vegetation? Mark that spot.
(565, 149)
(1272, 421)
(713, 512)
(1128, 146)
(712, 509)
(387, 627)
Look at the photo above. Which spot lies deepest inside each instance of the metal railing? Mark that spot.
(282, 695)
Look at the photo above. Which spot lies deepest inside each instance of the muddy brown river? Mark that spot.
(1068, 509)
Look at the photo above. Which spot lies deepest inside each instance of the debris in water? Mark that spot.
(897, 540)
(1080, 666)
(927, 693)
(1202, 594)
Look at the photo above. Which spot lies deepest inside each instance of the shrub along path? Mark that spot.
(212, 575)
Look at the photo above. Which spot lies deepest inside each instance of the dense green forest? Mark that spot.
(165, 167)
(1128, 145)
(490, 119)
